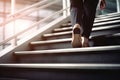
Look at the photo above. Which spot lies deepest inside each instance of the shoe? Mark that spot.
(76, 36)
(85, 42)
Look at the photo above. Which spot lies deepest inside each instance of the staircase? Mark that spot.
(53, 57)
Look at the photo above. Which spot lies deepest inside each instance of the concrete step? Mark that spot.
(102, 54)
(100, 22)
(66, 43)
(66, 25)
(62, 29)
(61, 71)
(108, 15)
(11, 79)
(94, 28)
(107, 19)
(51, 44)
(113, 39)
(60, 35)
(97, 31)
(107, 23)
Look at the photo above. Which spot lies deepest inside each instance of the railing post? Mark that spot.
(118, 5)
(66, 4)
(14, 42)
(4, 20)
(38, 18)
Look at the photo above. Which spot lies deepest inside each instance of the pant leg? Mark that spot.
(76, 10)
(89, 15)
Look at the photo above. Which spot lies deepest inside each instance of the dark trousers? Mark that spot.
(83, 13)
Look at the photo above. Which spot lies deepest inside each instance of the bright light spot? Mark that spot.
(20, 25)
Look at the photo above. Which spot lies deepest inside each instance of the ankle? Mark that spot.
(85, 40)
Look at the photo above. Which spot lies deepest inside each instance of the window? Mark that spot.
(111, 6)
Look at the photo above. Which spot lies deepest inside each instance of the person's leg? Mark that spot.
(76, 10)
(88, 19)
(76, 20)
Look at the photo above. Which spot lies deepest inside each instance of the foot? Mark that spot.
(85, 42)
(76, 36)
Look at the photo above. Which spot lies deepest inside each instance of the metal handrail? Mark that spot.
(33, 25)
(16, 17)
(27, 8)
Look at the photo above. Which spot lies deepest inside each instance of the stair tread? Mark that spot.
(101, 23)
(66, 40)
(93, 30)
(110, 14)
(65, 25)
(63, 66)
(51, 41)
(118, 34)
(105, 27)
(12, 79)
(57, 34)
(107, 19)
(66, 28)
(70, 50)
(104, 23)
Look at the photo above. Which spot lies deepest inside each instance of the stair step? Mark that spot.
(12, 79)
(60, 35)
(51, 44)
(118, 34)
(61, 71)
(107, 15)
(94, 28)
(98, 31)
(70, 50)
(62, 29)
(66, 25)
(66, 43)
(63, 66)
(50, 41)
(113, 39)
(103, 54)
(57, 34)
(107, 21)
(104, 18)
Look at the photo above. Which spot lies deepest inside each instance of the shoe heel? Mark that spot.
(76, 31)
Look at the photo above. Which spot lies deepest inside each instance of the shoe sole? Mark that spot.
(76, 38)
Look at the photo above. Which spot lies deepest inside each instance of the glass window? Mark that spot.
(111, 6)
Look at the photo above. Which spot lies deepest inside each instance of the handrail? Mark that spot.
(29, 7)
(32, 26)
(44, 6)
